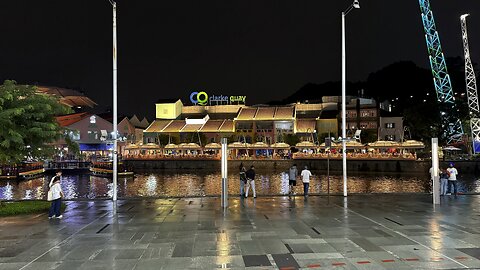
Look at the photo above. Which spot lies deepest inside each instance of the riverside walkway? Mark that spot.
(362, 232)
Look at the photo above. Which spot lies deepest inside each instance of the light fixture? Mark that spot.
(356, 4)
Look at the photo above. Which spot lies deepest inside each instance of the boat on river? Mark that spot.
(25, 170)
(106, 169)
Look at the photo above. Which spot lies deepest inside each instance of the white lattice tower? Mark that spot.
(471, 82)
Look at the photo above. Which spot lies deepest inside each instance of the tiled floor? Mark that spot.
(363, 232)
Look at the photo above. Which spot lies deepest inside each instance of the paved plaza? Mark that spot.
(363, 232)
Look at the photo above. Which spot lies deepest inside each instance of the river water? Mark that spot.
(204, 183)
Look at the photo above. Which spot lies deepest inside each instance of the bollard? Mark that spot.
(224, 196)
(435, 167)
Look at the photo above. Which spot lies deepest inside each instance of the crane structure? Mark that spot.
(451, 124)
(471, 83)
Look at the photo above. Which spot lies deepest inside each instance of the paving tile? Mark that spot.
(474, 252)
(256, 260)
(285, 261)
(198, 235)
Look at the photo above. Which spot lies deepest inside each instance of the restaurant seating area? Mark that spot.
(278, 151)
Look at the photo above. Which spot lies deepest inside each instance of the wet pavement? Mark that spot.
(208, 183)
(362, 232)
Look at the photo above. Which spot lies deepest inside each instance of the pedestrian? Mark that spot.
(55, 195)
(443, 182)
(243, 180)
(251, 181)
(292, 178)
(306, 174)
(452, 178)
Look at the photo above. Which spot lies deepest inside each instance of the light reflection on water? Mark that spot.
(204, 183)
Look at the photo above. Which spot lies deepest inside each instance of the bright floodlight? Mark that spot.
(464, 16)
(356, 4)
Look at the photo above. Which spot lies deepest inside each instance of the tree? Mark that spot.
(27, 122)
(291, 139)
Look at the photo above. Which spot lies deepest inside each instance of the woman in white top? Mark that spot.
(55, 195)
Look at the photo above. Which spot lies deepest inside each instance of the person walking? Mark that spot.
(243, 180)
(452, 178)
(443, 182)
(55, 195)
(306, 174)
(292, 178)
(251, 181)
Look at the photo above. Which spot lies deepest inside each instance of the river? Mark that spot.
(176, 183)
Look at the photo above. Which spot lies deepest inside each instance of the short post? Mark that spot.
(328, 145)
(224, 174)
(435, 167)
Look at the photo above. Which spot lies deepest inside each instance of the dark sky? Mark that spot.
(265, 49)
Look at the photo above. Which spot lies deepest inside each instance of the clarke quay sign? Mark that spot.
(203, 99)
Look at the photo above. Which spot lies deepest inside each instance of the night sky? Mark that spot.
(265, 49)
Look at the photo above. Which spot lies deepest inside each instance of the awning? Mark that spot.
(412, 144)
(239, 145)
(174, 127)
(246, 114)
(212, 126)
(189, 146)
(305, 144)
(171, 146)
(158, 125)
(150, 146)
(213, 146)
(95, 147)
(131, 146)
(280, 146)
(260, 145)
(384, 144)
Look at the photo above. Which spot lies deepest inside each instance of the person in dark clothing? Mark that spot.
(251, 181)
(243, 180)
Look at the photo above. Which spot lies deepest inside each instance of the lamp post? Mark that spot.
(355, 5)
(115, 131)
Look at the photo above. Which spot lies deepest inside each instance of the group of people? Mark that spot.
(247, 180)
(448, 179)
(292, 179)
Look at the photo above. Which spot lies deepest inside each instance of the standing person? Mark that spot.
(55, 195)
(452, 178)
(251, 181)
(306, 174)
(292, 178)
(443, 181)
(243, 180)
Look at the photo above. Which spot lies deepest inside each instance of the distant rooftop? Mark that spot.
(68, 97)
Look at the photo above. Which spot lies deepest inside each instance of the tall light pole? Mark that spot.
(115, 154)
(355, 4)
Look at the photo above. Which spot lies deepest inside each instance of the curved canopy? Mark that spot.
(305, 144)
(171, 146)
(239, 145)
(413, 144)
(213, 146)
(280, 145)
(260, 145)
(131, 146)
(334, 145)
(150, 146)
(189, 146)
(353, 145)
(384, 144)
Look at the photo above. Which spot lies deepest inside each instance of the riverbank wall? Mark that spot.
(353, 166)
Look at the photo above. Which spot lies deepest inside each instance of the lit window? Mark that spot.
(93, 119)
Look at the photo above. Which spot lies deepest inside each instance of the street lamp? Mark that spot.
(354, 5)
(115, 131)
